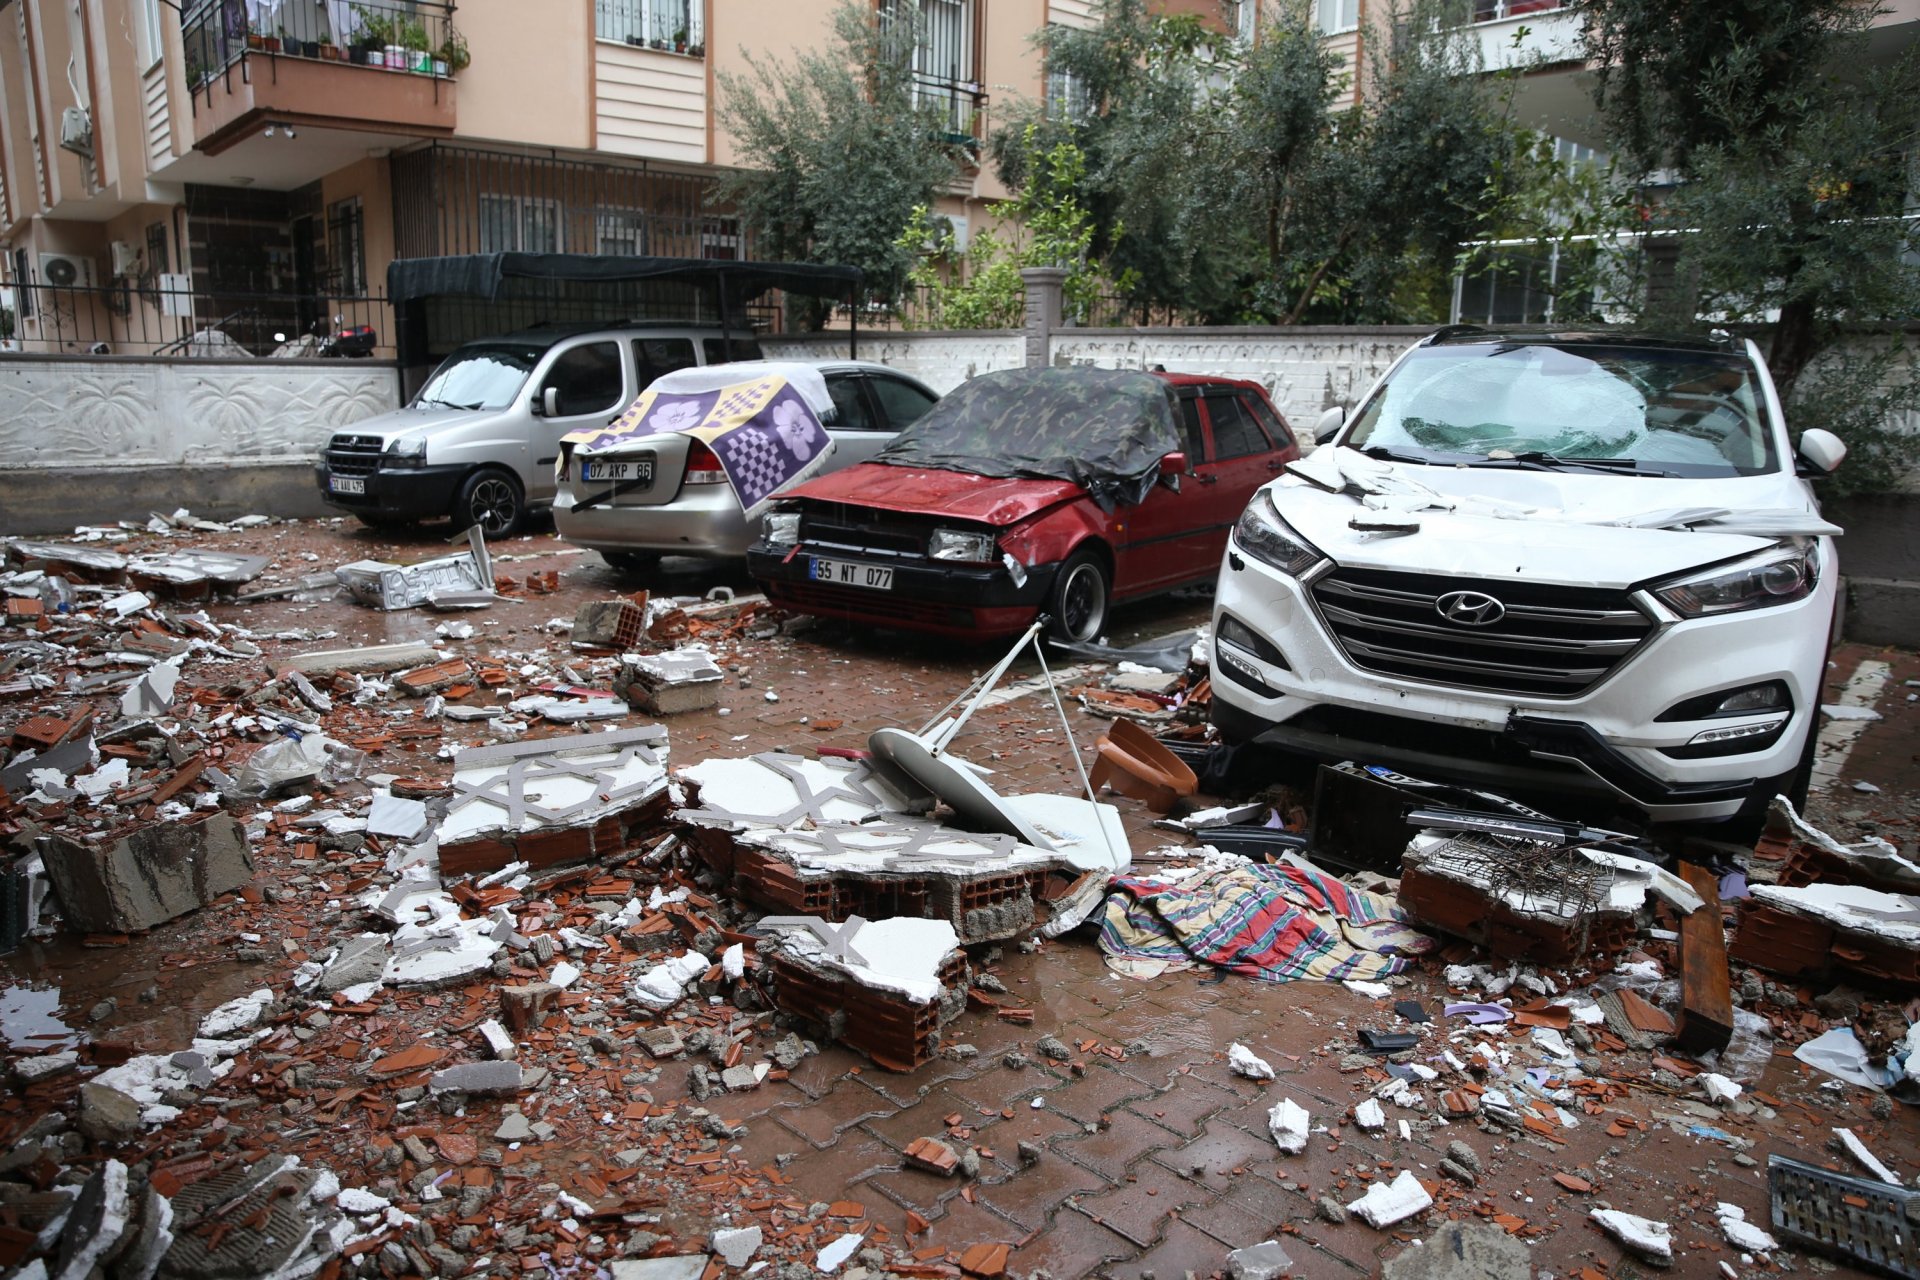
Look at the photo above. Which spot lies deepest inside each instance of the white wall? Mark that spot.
(71, 414)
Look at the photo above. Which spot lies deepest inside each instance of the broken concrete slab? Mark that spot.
(1264, 1261)
(892, 1007)
(1651, 1240)
(99, 1219)
(1389, 1202)
(374, 658)
(152, 693)
(357, 960)
(381, 584)
(108, 1115)
(236, 1015)
(275, 1224)
(736, 1246)
(503, 1077)
(1463, 1251)
(149, 875)
(690, 1266)
(670, 683)
(554, 801)
(609, 624)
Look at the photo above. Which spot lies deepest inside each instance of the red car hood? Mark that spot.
(948, 493)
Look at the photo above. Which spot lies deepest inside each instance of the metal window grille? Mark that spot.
(945, 73)
(347, 245)
(658, 24)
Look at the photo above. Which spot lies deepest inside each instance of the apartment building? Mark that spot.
(254, 165)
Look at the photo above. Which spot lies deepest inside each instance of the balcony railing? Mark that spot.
(412, 36)
(671, 26)
(1496, 10)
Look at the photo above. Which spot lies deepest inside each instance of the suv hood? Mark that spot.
(404, 424)
(1576, 528)
(957, 494)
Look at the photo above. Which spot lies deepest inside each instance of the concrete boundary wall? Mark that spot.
(92, 439)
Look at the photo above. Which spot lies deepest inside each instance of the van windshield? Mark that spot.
(1632, 410)
(483, 376)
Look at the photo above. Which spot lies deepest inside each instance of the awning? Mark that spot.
(483, 275)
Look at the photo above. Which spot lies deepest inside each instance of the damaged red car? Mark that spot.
(1055, 491)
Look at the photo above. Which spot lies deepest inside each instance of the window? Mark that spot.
(1235, 433)
(149, 35)
(588, 379)
(901, 402)
(944, 74)
(720, 238)
(620, 232)
(1190, 429)
(156, 264)
(1339, 15)
(1274, 425)
(519, 224)
(849, 406)
(347, 246)
(720, 351)
(660, 23)
(655, 356)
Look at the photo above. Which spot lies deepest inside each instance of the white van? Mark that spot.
(1547, 562)
(479, 441)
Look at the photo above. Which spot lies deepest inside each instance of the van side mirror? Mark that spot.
(1821, 452)
(547, 403)
(1329, 424)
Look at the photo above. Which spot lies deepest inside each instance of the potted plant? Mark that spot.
(254, 39)
(309, 48)
(680, 40)
(411, 36)
(371, 39)
(453, 56)
(697, 49)
(638, 42)
(329, 51)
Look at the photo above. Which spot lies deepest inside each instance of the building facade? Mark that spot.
(251, 166)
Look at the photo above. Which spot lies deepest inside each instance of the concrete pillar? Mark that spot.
(1044, 286)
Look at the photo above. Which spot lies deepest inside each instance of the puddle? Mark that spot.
(29, 1020)
(1174, 1035)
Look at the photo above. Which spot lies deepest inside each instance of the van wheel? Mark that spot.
(492, 500)
(1078, 601)
(631, 561)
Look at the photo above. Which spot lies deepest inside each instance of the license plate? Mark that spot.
(347, 484)
(637, 469)
(846, 573)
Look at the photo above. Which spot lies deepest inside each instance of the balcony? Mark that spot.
(1501, 10)
(387, 68)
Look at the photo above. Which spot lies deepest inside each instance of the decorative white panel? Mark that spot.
(157, 115)
(941, 360)
(1071, 13)
(650, 103)
(63, 413)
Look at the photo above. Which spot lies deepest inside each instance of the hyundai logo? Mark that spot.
(1470, 609)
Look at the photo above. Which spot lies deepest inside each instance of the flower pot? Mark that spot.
(376, 57)
(330, 52)
(395, 58)
(270, 43)
(256, 42)
(679, 46)
(440, 67)
(637, 42)
(309, 48)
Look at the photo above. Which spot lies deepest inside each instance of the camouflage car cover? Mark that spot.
(1102, 429)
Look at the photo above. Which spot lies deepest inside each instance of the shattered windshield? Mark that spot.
(480, 377)
(1629, 410)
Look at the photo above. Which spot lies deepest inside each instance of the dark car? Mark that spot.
(1055, 490)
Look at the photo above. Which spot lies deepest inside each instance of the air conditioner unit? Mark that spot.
(66, 271)
(76, 131)
(126, 259)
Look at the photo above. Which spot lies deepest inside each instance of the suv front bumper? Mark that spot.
(1609, 741)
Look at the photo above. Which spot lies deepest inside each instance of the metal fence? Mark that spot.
(413, 36)
(1495, 10)
(668, 25)
(133, 319)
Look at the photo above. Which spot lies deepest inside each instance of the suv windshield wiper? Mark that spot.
(1385, 454)
(1552, 462)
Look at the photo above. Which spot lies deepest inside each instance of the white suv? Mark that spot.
(1549, 563)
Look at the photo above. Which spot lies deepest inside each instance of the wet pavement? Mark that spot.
(1141, 1154)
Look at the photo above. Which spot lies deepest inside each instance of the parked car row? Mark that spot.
(1559, 561)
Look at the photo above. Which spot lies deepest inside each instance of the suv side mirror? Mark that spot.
(1821, 452)
(1329, 425)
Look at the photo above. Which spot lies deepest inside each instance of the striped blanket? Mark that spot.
(1275, 922)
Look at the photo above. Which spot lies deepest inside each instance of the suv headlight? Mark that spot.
(960, 544)
(1780, 576)
(781, 528)
(1263, 535)
(406, 455)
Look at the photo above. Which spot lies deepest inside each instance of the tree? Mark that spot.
(839, 153)
(1048, 228)
(1786, 145)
